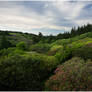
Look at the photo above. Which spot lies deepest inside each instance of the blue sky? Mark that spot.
(48, 17)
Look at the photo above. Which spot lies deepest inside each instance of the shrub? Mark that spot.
(80, 43)
(22, 46)
(25, 72)
(64, 54)
(50, 62)
(62, 42)
(40, 48)
(54, 49)
(4, 52)
(73, 75)
(10, 52)
(84, 52)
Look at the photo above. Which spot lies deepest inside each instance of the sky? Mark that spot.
(48, 17)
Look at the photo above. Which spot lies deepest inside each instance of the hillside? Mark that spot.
(37, 62)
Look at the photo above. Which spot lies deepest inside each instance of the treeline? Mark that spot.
(74, 32)
(49, 39)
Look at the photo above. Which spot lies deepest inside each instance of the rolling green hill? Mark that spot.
(36, 62)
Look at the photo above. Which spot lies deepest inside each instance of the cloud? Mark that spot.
(28, 20)
(70, 10)
(55, 15)
(83, 21)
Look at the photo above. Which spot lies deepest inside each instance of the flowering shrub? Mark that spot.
(73, 75)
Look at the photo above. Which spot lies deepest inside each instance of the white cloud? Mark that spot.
(81, 22)
(69, 10)
(18, 17)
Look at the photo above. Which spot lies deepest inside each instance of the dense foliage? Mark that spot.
(73, 75)
(25, 72)
(28, 61)
(83, 52)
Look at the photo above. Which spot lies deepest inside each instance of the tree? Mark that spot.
(4, 42)
(40, 34)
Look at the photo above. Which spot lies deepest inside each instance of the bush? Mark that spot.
(50, 62)
(11, 51)
(73, 75)
(62, 42)
(54, 49)
(25, 72)
(4, 52)
(80, 43)
(84, 52)
(40, 48)
(22, 46)
(64, 54)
